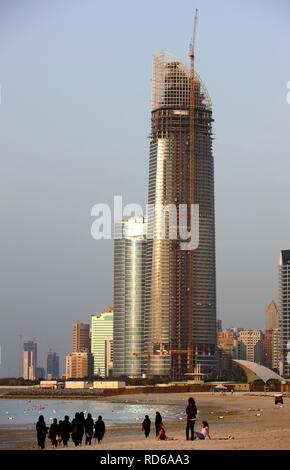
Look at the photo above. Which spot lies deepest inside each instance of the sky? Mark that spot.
(75, 79)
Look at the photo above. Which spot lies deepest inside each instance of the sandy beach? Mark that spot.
(252, 421)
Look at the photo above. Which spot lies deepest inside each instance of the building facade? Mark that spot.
(251, 346)
(29, 360)
(272, 337)
(101, 329)
(180, 292)
(227, 343)
(52, 365)
(109, 355)
(79, 365)
(129, 297)
(40, 373)
(284, 308)
(81, 337)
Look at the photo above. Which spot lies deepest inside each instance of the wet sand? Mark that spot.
(253, 422)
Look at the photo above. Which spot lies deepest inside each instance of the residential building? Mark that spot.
(81, 337)
(101, 329)
(251, 347)
(79, 365)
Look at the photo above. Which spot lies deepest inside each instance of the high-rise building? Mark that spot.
(109, 354)
(180, 310)
(52, 365)
(101, 329)
(284, 308)
(129, 297)
(219, 326)
(81, 337)
(79, 365)
(272, 342)
(227, 342)
(29, 360)
(40, 373)
(272, 316)
(251, 345)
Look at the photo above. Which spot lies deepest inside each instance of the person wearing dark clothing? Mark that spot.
(191, 417)
(65, 431)
(74, 429)
(99, 429)
(81, 427)
(59, 436)
(53, 432)
(41, 430)
(158, 421)
(146, 426)
(89, 429)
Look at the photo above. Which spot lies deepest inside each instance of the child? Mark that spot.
(204, 431)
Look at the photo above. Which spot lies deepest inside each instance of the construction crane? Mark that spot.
(191, 191)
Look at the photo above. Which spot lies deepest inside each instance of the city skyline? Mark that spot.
(58, 164)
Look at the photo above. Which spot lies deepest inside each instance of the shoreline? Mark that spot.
(252, 421)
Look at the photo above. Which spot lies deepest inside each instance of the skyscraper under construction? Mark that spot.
(180, 297)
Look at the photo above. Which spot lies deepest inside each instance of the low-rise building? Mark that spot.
(78, 384)
(109, 384)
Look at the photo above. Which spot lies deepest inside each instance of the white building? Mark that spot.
(251, 345)
(101, 330)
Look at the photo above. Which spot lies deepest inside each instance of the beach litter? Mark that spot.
(221, 417)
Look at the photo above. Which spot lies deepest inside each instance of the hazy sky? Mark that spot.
(74, 125)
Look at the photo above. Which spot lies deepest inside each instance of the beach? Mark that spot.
(239, 421)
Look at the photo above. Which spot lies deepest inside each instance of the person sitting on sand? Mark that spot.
(162, 434)
(204, 431)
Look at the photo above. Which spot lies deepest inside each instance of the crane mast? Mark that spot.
(191, 201)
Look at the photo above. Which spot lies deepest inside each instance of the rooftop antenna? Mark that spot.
(191, 201)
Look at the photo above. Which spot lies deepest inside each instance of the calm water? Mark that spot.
(26, 412)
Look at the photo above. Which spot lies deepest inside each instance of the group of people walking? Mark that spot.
(60, 432)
